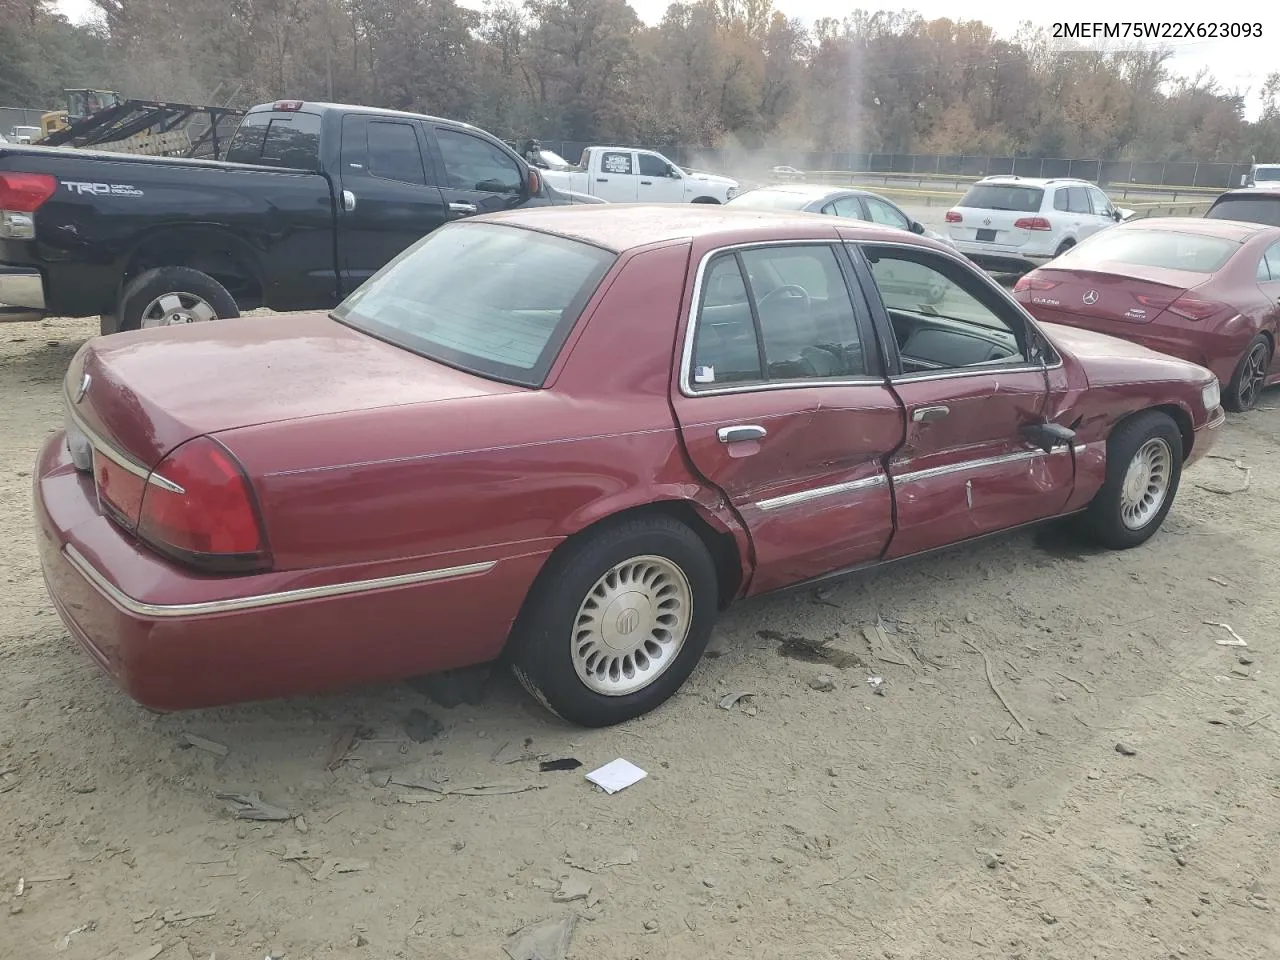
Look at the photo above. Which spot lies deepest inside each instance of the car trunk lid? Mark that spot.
(1130, 293)
(132, 392)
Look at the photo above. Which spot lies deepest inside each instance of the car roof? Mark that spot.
(812, 191)
(316, 106)
(1252, 192)
(1237, 230)
(1013, 180)
(626, 226)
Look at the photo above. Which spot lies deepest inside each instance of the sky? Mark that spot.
(1240, 63)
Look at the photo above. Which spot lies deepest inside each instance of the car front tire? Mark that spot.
(617, 622)
(1144, 468)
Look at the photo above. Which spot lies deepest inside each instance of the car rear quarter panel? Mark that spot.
(489, 478)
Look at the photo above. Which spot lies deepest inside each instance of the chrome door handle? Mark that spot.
(646, 183)
(462, 208)
(348, 201)
(929, 414)
(739, 434)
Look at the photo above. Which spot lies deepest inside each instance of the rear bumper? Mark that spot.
(1001, 262)
(21, 294)
(164, 638)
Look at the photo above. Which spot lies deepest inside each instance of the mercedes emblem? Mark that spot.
(1091, 297)
(84, 387)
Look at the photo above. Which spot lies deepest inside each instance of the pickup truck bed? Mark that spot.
(332, 194)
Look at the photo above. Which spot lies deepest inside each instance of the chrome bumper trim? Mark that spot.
(231, 605)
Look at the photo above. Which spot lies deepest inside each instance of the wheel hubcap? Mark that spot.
(1146, 483)
(175, 308)
(1254, 375)
(631, 626)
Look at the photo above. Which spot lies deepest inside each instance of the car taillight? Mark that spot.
(120, 490)
(1194, 309)
(21, 194)
(1032, 223)
(198, 508)
(287, 106)
(1028, 282)
(953, 217)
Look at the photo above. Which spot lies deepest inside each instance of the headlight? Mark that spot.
(731, 193)
(1212, 395)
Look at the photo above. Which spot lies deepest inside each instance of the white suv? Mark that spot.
(1016, 223)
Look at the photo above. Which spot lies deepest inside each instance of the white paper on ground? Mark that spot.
(616, 775)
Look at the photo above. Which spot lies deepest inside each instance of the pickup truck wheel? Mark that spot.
(705, 200)
(617, 622)
(168, 296)
(1144, 467)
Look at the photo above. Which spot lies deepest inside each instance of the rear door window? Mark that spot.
(1078, 200)
(277, 140)
(394, 152)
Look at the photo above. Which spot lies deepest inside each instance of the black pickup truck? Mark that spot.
(312, 200)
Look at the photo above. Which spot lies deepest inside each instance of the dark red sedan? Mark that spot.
(571, 437)
(1207, 291)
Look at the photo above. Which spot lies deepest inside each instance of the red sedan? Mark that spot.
(1207, 291)
(571, 437)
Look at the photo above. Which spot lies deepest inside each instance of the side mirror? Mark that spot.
(917, 227)
(1117, 216)
(532, 182)
(1047, 436)
(673, 171)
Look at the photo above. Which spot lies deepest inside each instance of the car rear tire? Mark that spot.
(617, 622)
(1251, 373)
(168, 296)
(1144, 468)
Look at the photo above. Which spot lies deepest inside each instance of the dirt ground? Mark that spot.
(1124, 806)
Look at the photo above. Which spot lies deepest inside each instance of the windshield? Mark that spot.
(1003, 197)
(553, 160)
(1267, 175)
(769, 200)
(1165, 249)
(493, 300)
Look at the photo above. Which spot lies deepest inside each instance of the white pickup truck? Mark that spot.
(624, 175)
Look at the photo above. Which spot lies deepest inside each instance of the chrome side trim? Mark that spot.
(102, 448)
(209, 607)
(804, 496)
(968, 465)
(164, 483)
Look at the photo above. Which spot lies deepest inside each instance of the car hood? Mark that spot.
(713, 178)
(1110, 360)
(152, 390)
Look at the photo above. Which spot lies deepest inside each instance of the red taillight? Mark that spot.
(1028, 282)
(198, 507)
(287, 105)
(953, 217)
(1032, 223)
(1194, 309)
(25, 192)
(119, 490)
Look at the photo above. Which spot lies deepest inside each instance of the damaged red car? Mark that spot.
(569, 438)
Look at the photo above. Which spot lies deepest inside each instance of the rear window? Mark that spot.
(1152, 248)
(493, 300)
(277, 140)
(1266, 175)
(1264, 210)
(989, 196)
(769, 200)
